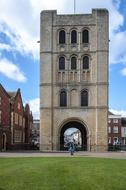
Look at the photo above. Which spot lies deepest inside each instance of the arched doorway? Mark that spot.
(4, 142)
(71, 125)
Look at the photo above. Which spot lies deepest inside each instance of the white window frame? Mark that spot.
(123, 140)
(115, 120)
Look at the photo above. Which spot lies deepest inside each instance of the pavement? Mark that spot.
(114, 155)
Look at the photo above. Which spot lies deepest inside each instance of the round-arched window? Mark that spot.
(74, 36)
(85, 36)
(86, 62)
(61, 63)
(62, 37)
(84, 98)
(63, 98)
(73, 63)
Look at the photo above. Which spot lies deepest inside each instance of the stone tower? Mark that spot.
(74, 54)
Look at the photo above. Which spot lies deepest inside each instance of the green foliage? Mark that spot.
(72, 173)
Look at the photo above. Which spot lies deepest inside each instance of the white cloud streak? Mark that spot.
(4, 46)
(11, 71)
(119, 112)
(123, 72)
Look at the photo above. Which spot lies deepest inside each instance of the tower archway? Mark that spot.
(81, 128)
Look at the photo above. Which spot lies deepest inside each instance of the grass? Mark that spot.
(72, 173)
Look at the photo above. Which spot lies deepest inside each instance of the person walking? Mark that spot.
(71, 148)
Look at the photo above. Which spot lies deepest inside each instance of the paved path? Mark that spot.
(115, 155)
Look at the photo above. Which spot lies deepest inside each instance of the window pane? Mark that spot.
(61, 63)
(73, 63)
(85, 62)
(115, 129)
(85, 36)
(84, 98)
(74, 36)
(62, 37)
(63, 99)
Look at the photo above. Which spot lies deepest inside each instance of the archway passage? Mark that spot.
(80, 127)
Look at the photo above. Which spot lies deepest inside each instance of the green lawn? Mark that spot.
(72, 173)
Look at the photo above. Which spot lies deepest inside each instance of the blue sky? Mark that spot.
(19, 50)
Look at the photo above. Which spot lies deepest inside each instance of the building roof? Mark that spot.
(12, 94)
(110, 113)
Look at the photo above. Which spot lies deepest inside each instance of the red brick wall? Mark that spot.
(112, 134)
(5, 108)
(20, 112)
(5, 117)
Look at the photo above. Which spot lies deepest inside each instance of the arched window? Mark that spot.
(84, 98)
(73, 63)
(85, 62)
(85, 36)
(63, 98)
(73, 37)
(61, 63)
(62, 37)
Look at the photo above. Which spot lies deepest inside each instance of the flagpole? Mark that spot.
(74, 6)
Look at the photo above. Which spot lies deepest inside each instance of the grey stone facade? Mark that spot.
(94, 79)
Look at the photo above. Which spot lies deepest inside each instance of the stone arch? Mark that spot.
(74, 123)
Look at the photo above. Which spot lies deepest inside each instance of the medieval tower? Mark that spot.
(74, 78)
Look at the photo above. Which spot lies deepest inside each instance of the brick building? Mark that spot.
(114, 129)
(123, 131)
(5, 118)
(15, 120)
(28, 123)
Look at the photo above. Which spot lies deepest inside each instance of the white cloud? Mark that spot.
(117, 47)
(4, 46)
(34, 106)
(11, 70)
(22, 22)
(123, 72)
(119, 112)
